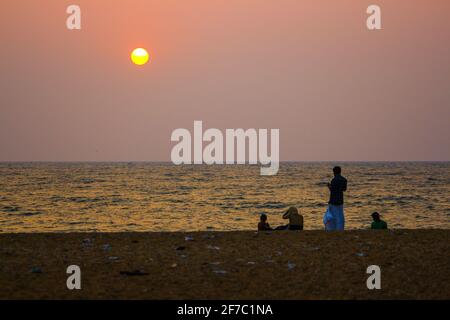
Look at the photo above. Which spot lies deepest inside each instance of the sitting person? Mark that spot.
(263, 225)
(295, 220)
(377, 223)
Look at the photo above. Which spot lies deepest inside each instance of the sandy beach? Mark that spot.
(227, 265)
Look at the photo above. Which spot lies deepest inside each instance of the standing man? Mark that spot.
(336, 203)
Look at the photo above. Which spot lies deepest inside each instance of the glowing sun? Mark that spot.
(139, 56)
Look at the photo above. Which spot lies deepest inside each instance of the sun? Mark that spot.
(139, 56)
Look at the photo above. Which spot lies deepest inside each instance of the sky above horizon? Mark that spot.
(336, 91)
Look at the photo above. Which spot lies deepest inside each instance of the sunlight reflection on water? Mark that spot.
(162, 197)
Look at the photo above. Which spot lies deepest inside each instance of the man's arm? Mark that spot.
(333, 185)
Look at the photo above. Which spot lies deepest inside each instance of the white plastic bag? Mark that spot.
(328, 221)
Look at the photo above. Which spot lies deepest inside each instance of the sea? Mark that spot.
(161, 197)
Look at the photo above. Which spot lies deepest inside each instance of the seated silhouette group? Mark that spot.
(296, 221)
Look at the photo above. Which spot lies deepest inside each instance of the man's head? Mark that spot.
(376, 216)
(337, 170)
(263, 217)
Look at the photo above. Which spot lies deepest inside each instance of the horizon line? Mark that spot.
(170, 162)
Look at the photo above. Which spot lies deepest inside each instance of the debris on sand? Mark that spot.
(36, 270)
(106, 247)
(133, 273)
(7, 252)
(220, 272)
(174, 265)
(86, 242)
(212, 247)
(113, 258)
(189, 238)
(291, 265)
(361, 254)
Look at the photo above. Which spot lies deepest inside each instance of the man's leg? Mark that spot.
(331, 223)
(340, 220)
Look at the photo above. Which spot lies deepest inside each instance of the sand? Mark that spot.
(227, 265)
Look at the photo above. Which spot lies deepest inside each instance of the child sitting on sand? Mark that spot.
(377, 223)
(263, 225)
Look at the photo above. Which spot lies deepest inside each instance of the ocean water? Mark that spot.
(112, 197)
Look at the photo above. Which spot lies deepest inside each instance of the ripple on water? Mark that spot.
(163, 197)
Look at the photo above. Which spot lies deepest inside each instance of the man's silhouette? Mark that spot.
(337, 187)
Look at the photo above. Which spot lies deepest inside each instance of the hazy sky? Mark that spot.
(311, 68)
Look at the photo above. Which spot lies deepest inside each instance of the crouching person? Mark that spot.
(295, 220)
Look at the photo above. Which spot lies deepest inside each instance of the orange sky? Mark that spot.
(311, 68)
